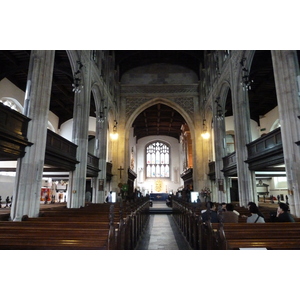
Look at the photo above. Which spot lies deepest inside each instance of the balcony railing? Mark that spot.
(229, 165)
(60, 152)
(13, 133)
(266, 151)
(92, 165)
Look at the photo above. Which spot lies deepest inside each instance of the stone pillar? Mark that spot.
(28, 181)
(286, 71)
(77, 178)
(240, 102)
(200, 159)
(120, 157)
(120, 152)
(219, 136)
(100, 151)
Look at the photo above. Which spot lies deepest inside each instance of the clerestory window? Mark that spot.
(158, 160)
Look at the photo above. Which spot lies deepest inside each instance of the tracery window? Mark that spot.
(158, 160)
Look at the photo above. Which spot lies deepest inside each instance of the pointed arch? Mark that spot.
(141, 108)
(224, 90)
(97, 96)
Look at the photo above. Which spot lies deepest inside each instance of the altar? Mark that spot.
(159, 196)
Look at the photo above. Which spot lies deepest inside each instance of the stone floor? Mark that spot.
(162, 233)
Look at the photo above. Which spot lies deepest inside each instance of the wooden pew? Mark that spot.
(188, 218)
(95, 227)
(273, 236)
(43, 243)
(207, 235)
(39, 236)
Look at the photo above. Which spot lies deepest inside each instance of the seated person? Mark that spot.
(210, 213)
(229, 216)
(222, 207)
(255, 217)
(253, 205)
(282, 213)
(258, 211)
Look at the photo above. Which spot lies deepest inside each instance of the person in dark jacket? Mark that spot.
(210, 213)
(283, 214)
(229, 216)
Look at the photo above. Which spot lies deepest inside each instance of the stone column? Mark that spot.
(286, 71)
(219, 136)
(120, 152)
(28, 181)
(240, 102)
(77, 178)
(101, 149)
(120, 157)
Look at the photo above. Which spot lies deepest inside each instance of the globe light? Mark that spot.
(205, 135)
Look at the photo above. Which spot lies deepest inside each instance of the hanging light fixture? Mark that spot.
(246, 81)
(205, 134)
(114, 135)
(219, 114)
(77, 86)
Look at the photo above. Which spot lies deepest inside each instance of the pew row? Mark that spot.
(94, 227)
(271, 236)
(232, 236)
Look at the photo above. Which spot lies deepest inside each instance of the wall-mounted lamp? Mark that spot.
(77, 86)
(114, 135)
(205, 134)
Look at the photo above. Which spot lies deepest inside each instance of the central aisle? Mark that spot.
(162, 234)
(162, 237)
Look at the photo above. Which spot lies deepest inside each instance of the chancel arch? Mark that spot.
(147, 104)
(129, 133)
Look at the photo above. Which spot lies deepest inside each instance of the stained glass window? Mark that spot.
(158, 160)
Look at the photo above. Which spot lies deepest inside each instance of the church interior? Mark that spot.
(106, 153)
(126, 136)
